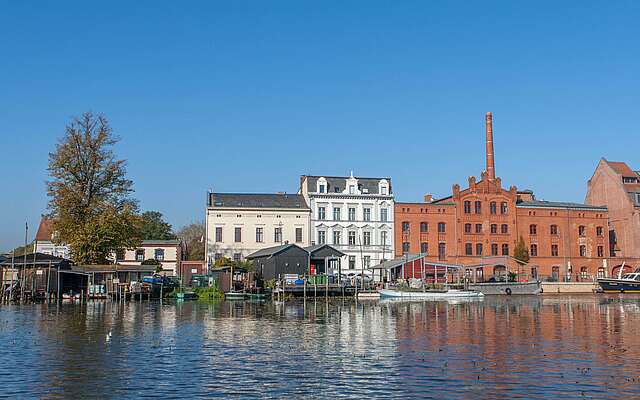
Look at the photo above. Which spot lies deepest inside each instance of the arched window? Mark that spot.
(424, 227)
(601, 272)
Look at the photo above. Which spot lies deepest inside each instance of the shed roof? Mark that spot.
(271, 251)
(40, 259)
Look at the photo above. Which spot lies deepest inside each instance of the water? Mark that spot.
(542, 347)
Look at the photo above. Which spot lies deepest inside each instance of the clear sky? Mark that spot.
(246, 96)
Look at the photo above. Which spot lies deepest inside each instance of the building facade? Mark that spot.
(167, 252)
(617, 187)
(353, 215)
(481, 224)
(239, 224)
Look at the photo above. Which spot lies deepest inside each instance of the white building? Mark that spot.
(167, 252)
(238, 224)
(354, 215)
(44, 241)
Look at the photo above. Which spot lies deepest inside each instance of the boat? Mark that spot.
(627, 283)
(507, 288)
(429, 294)
(186, 295)
(368, 295)
(235, 296)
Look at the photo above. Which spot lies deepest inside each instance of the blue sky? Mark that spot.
(246, 96)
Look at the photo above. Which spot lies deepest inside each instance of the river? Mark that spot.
(502, 347)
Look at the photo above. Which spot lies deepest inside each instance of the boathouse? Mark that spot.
(277, 261)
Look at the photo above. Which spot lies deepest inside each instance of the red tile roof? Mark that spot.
(621, 168)
(44, 230)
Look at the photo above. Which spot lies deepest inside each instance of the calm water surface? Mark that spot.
(533, 347)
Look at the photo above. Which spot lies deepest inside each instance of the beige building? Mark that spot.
(617, 186)
(238, 224)
(167, 252)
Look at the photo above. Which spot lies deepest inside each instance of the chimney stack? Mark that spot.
(491, 170)
(428, 198)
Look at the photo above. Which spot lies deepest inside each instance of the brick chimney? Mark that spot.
(491, 170)
(428, 198)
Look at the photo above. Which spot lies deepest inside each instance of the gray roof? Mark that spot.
(161, 242)
(316, 247)
(559, 204)
(257, 200)
(338, 183)
(270, 251)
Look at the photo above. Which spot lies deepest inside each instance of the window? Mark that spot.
(217, 256)
(478, 207)
(367, 261)
(322, 237)
(583, 251)
(336, 237)
(366, 238)
(405, 247)
(298, 235)
(424, 227)
(584, 272)
(503, 208)
(494, 249)
(601, 273)
(405, 227)
(352, 214)
(534, 272)
(367, 214)
(383, 190)
(505, 249)
(237, 234)
(321, 188)
(218, 234)
(467, 228)
(140, 255)
(467, 207)
(554, 250)
(277, 235)
(599, 231)
(120, 254)
(383, 238)
(478, 228)
(259, 235)
(336, 214)
(600, 251)
(554, 229)
(468, 249)
(383, 215)
(322, 213)
(493, 209)
(582, 230)
(424, 248)
(352, 238)
(442, 251)
(533, 229)
(158, 254)
(478, 249)
(494, 228)
(237, 257)
(504, 228)
(534, 250)
(352, 262)
(441, 227)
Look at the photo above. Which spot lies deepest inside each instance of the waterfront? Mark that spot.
(543, 347)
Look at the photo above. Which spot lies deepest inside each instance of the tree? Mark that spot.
(90, 200)
(152, 261)
(192, 238)
(154, 227)
(521, 253)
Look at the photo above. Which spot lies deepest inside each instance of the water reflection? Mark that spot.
(517, 346)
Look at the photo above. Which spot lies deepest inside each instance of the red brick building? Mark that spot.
(617, 187)
(480, 225)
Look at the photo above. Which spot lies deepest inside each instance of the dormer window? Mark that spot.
(629, 179)
(321, 185)
(383, 187)
(352, 189)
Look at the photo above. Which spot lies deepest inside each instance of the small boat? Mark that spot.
(627, 283)
(368, 295)
(429, 294)
(186, 295)
(507, 288)
(235, 296)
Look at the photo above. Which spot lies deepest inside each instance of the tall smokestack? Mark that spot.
(491, 169)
